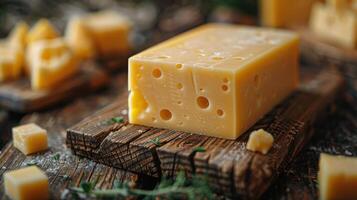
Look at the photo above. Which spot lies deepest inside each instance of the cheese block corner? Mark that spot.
(216, 80)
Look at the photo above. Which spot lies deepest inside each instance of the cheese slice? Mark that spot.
(337, 177)
(260, 141)
(110, 32)
(42, 30)
(216, 80)
(51, 62)
(29, 183)
(79, 39)
(29, 138)
(337, 26)
(285, 13)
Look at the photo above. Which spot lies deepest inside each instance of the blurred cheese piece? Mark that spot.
(337, 177)
(110, 32)
(285, 13)
(29, 138)
(79, 39)
(11, 61)
(18, 35)
(29, 183)
(260, 141)
(43, 29)
(51, 62)
(216, 80)
(335, 25)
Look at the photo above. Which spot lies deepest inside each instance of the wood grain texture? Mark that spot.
(18, 95)
(68, 170)
(232, 169)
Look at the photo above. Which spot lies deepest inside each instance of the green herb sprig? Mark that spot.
(156, 141)
(197, 188)
(114, 120)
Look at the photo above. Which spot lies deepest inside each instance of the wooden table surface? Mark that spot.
(337, 135)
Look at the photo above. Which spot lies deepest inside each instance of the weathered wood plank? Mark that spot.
(18, 95)
(68, 170)
(232, 169)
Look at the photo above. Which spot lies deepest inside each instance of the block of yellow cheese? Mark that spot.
(337, 177)
(29, 138)
(51, 62)
(11, 61)
(285, 13)
(337, 26)
(29, 183)
(79, 38)
(43, 29)
(110, 32)
(216, 80)
(260, 141)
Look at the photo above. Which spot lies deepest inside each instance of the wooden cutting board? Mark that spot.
(229, 167)
(18, 95)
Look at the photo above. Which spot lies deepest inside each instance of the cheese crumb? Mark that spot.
(260, 141)
(29, 138)
(337, 177)
(26, 183)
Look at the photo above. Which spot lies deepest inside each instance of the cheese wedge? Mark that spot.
(337, 26)
(216, 80)
(42, 30)
(79, 39)
(51, 62)
(110, 32)
(29, 138)
(29, 183)
(337, 177)
(285, 13)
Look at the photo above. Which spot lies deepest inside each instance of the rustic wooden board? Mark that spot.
(316, 50)
(18, 95)
(231, 169)
(68, 170)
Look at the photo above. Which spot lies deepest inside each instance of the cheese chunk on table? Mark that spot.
(260, 141)
(215, 80)
(29, 183)
(29, 138)
(51, 62)
(334, 25)
(285, 13)
(337, 177)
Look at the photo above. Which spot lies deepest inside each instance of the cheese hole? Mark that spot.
(179, 66)
(224, 88)
(202, 90)
(179, 102)
(202, 102)
(156, 73)
(220, 112)
(165, 114)
(179, 86)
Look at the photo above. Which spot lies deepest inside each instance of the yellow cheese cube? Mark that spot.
(18, 35)
(337, 177)
(283, 13)
(42, 30)
(338, 27)
(110, 32)
(29, 183)
(260, 141)
(29, 138)
(79, 39)
(51, 62)
(216, 80)
(11, 61)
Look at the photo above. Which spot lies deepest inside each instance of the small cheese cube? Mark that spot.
(216, 80)
(11, 61)
(29, 138)
(18, 35)
(51, 62)
(79, 39)
(43, 29)
(260, 141)
(283, 13)
(110, 32)
(337, 177)
(336, 26)
(29, 183)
